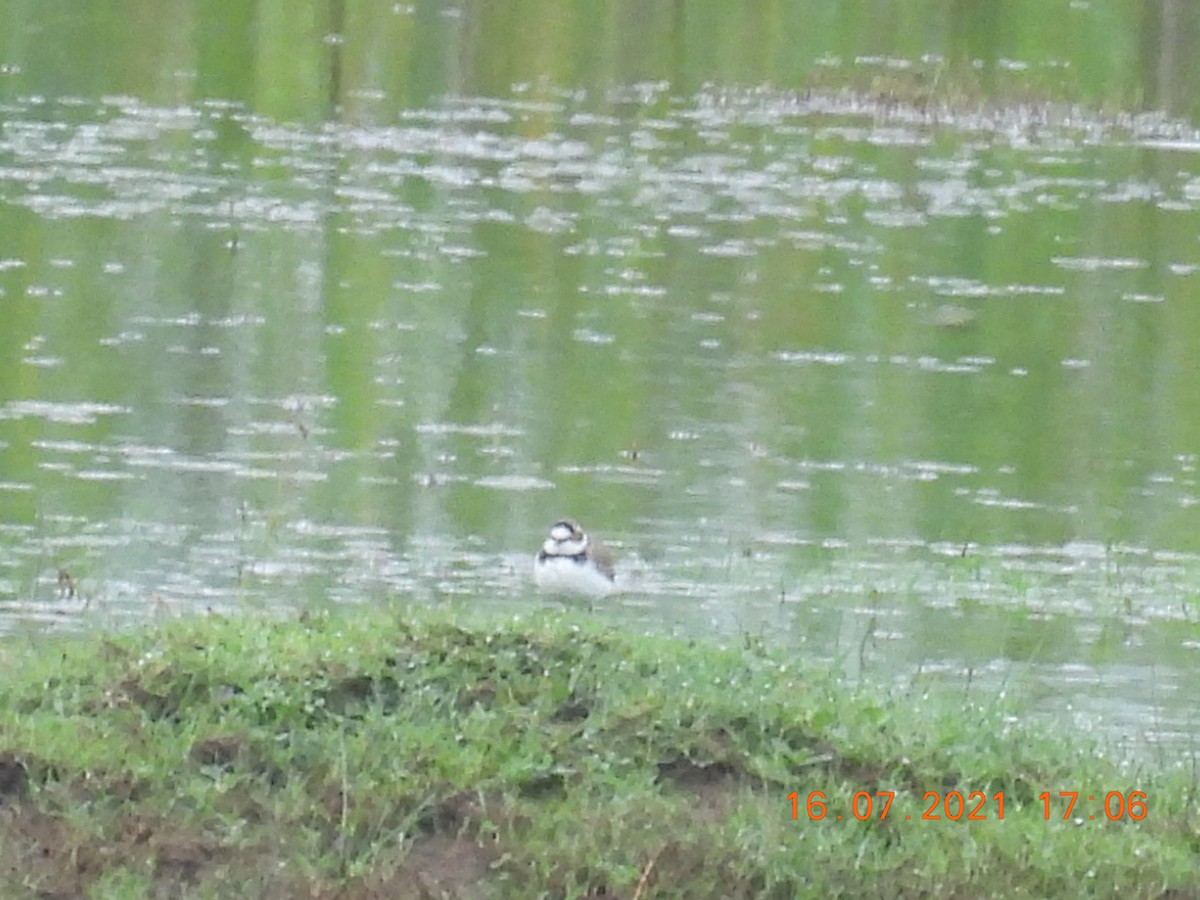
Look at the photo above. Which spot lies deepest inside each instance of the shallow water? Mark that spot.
(906, 388)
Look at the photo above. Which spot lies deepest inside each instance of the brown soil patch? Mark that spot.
(440, 866)
(14, 777)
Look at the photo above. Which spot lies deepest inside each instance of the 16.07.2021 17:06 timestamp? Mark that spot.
(973, 806)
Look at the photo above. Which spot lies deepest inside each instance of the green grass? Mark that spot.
(369, 754)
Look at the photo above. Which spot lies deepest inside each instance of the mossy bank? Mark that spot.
(409, 753)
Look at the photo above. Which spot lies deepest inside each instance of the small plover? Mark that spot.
(570, 562)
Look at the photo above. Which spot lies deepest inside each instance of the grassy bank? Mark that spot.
(401, 754)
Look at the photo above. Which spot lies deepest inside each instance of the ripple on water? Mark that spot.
(84, 413)
(514, 483)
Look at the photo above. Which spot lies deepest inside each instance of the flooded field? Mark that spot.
(902, 382)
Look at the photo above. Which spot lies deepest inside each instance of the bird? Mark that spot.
(571, 562)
